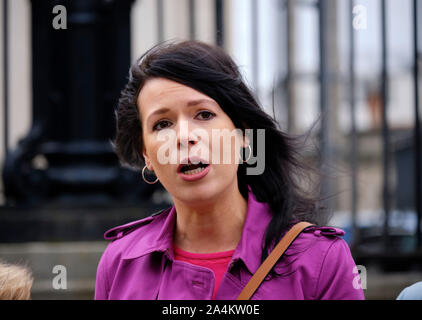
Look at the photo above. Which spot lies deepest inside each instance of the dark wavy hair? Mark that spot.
(210, 70)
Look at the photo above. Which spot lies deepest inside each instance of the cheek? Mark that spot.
(231, 148)
(225, 151)
(151, 148)
(163, 154)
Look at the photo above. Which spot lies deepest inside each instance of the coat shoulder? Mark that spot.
(316, 237)
(123, 230)
(321, 237)
(326, 231)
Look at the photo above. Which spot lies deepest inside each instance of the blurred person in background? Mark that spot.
(15, 282)
(413, 292)
(224, 222)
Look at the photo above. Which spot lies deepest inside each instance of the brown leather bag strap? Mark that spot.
(271, 260)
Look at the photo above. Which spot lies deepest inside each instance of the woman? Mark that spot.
(225, 219)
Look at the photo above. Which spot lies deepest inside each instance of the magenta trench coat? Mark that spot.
(139, 264)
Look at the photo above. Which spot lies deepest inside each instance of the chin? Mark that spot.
(199, 194)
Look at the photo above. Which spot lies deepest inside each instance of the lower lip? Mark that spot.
(196, 176)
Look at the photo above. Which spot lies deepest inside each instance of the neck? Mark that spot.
(214, 227)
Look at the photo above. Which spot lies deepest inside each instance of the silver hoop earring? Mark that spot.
(250, 153)
(143, 176)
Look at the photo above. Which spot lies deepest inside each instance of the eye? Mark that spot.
(158, 125)
(208, 115)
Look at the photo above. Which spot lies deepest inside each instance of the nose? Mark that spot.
(189, 142)
(186, 142)
(186, 136)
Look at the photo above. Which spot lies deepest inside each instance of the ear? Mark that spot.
(245, 138)
(147, 160)
(246, 141)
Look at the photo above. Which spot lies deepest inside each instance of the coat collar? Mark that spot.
(159, 234)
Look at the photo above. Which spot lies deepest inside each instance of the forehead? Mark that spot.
(161, 92)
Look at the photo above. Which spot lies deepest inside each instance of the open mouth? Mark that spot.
(193, 168)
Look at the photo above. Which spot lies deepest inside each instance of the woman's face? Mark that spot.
(191, 118)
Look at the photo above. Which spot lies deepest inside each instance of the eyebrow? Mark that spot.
(190, 103)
